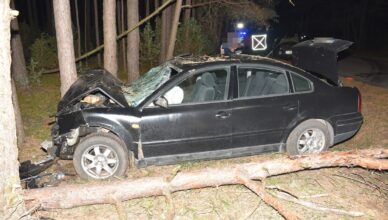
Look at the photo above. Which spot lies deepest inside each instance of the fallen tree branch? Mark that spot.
(69, 196)
(266, 197)
(314, 206)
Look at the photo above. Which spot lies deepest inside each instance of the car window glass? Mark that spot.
(259, 82)
(206, 86)
(300, 84)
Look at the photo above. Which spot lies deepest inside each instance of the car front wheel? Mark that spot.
(100, 156)
(310, 137)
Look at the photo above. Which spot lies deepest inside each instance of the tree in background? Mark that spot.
(165, 32)
(19, 71)
(78, 28)
(67, 68)
(133, 40)
(18, 116)
(110, 49)
(174, 30)
(11, 200)
(149, 47)
(97, 29)
(121, 7)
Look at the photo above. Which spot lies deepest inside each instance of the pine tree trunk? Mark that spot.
(35, 13)
(30, 13)
(50, 17)
(86, 26)
(186, 20)
(110, 50)
(11, 200)
(133, 40)
(97, 29)
(78, 28)
(18, 116)
(166, 25)
(19, 71)
(73, 195)
(174, 29)
(122, 24)
(147, 2)
(64, 34)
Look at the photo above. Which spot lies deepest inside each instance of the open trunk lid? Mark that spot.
(320, 56)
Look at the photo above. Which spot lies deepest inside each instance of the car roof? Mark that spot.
(193, 62)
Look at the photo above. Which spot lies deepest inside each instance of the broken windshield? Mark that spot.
(137, 91)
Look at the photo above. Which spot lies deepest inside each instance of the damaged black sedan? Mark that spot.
(193, 108)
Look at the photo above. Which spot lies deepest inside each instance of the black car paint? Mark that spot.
(319, 56)
(95, 81)
(195, 131)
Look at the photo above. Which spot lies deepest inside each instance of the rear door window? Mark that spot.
(301, 84)
(259, 82)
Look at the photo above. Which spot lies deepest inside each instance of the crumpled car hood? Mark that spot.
(93, 81)
(320, 56)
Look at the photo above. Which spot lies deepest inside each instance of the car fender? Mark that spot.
(300, 119)
(120, 128)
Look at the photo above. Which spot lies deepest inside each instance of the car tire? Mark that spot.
(101, 156)
(309, 137)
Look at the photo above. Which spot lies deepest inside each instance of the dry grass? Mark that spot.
(374, 131)
(237, 202)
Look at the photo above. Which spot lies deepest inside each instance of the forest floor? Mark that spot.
(344, 188)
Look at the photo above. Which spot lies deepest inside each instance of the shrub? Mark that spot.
(44, 52)
(195, 43)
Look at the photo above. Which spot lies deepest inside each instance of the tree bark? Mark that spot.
(186, 20)
(97, 29)
(85, 194)
(18, 116)
(174, 29)
(165, 32)
(147, 12)
(78, 27)
(64, 34)
(30, 12)
(133, 40)
(121, 25)
(123, 45)
(50, 17)
(86, 26)
(11, 200)
(110, 51)
(19, 70)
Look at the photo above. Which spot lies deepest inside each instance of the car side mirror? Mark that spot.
(161, 102)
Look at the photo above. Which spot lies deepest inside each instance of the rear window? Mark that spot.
(301, 84)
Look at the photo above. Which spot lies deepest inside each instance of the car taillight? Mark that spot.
(359, 102)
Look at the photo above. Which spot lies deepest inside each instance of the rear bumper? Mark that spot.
(346, 126)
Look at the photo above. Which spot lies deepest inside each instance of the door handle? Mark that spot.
(290, 107)
(223, 115)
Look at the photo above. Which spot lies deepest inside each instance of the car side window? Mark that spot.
(300, 83)
(258, 82)
(206, 86)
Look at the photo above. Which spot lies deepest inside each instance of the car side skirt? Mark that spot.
(206, 155)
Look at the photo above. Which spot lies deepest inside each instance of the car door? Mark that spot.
(262, 108)
(197, 121)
